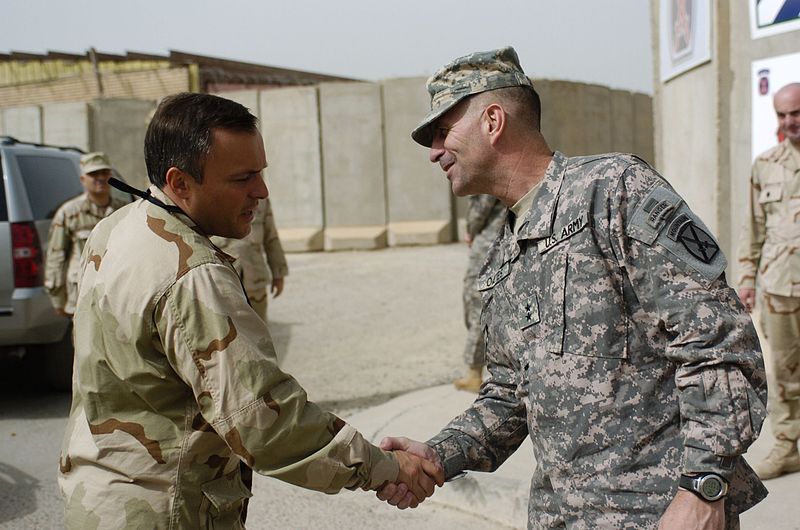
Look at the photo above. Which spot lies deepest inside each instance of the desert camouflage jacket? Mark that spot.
(176, 381)
(259, 255)
(71, 225)
(614, 342)
(770, 244)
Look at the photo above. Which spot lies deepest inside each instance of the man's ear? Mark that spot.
(178, 183)
(494, 122)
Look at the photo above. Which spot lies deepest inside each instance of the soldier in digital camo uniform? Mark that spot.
(769, 261)
(260, 260)
(176, 380)
(485, 216)
(72, 223)
(613, 340)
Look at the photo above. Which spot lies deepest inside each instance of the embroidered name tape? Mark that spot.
(566, 232)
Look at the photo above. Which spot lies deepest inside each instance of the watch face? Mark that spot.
(711, 487)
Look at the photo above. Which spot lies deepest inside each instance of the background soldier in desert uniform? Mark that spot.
(769, 262)
(260, 260)
(176, 379)
(485, 215)
(71, 225)
(613, 340)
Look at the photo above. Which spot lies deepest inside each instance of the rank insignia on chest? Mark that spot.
(565, 232)
(528, 312)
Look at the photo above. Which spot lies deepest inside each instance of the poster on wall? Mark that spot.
(768, 76)
(684, 35)
(770, 17)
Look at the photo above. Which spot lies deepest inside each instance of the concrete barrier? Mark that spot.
(118, 129)
(353, 166)
(67, 124)
(419, 205)
(290, 124)
(23, 123)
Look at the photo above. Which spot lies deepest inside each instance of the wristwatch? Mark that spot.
(708, 486)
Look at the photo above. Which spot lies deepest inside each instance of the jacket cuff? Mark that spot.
(450, 453)
(700, 461)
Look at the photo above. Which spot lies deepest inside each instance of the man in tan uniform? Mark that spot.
(769, 261)
(176, 379)
(260, 260)
(71, 225)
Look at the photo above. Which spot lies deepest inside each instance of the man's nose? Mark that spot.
(436, 152)
(261, 191)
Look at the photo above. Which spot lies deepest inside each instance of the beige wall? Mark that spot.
(703, 120)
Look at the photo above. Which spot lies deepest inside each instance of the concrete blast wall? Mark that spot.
(353, 165)
(67, 124)
(294, 176)
(343, 172)
(23, 123)
(418, 194)
(582, 119)
(118, 129)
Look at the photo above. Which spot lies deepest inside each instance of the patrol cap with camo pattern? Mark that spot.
(472, 74)
(94, 162)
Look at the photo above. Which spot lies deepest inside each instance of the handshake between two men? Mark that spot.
(420, 471)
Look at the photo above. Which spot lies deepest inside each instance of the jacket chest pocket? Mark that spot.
(770, 192)
(583, 311)
(595, 320)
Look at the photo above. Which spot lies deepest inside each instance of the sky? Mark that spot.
(606, 42)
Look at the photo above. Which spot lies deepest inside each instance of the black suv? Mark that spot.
(36, 180)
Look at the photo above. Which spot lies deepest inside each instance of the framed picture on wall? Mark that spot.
(770, 17)
(684, 35)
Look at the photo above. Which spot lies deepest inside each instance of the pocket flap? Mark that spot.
(226, 492)
(770, 192)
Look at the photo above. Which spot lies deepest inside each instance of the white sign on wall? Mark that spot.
(768, 76)
(684, 35)
(770, 17)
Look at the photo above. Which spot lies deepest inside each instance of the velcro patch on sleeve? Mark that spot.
(663, 219)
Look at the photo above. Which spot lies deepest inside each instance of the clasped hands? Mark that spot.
(420, 472)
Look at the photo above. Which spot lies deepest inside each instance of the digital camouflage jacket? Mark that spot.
(614, 342)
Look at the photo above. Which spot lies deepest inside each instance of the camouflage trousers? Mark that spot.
(780, 322)
(474, 351)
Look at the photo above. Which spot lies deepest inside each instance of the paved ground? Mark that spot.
(374, 336)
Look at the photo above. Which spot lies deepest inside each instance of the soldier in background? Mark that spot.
(612, 338)
(260, 260)
(485, 215)
(769, 263)
(176, 380)
(72, 223)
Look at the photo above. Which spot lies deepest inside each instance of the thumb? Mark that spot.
(393, 444)
(434, 471)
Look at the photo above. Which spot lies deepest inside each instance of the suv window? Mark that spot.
(50, 181)
(3, 206)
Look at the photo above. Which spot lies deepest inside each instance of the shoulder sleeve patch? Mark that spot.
(652, 213)
(663, 219)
